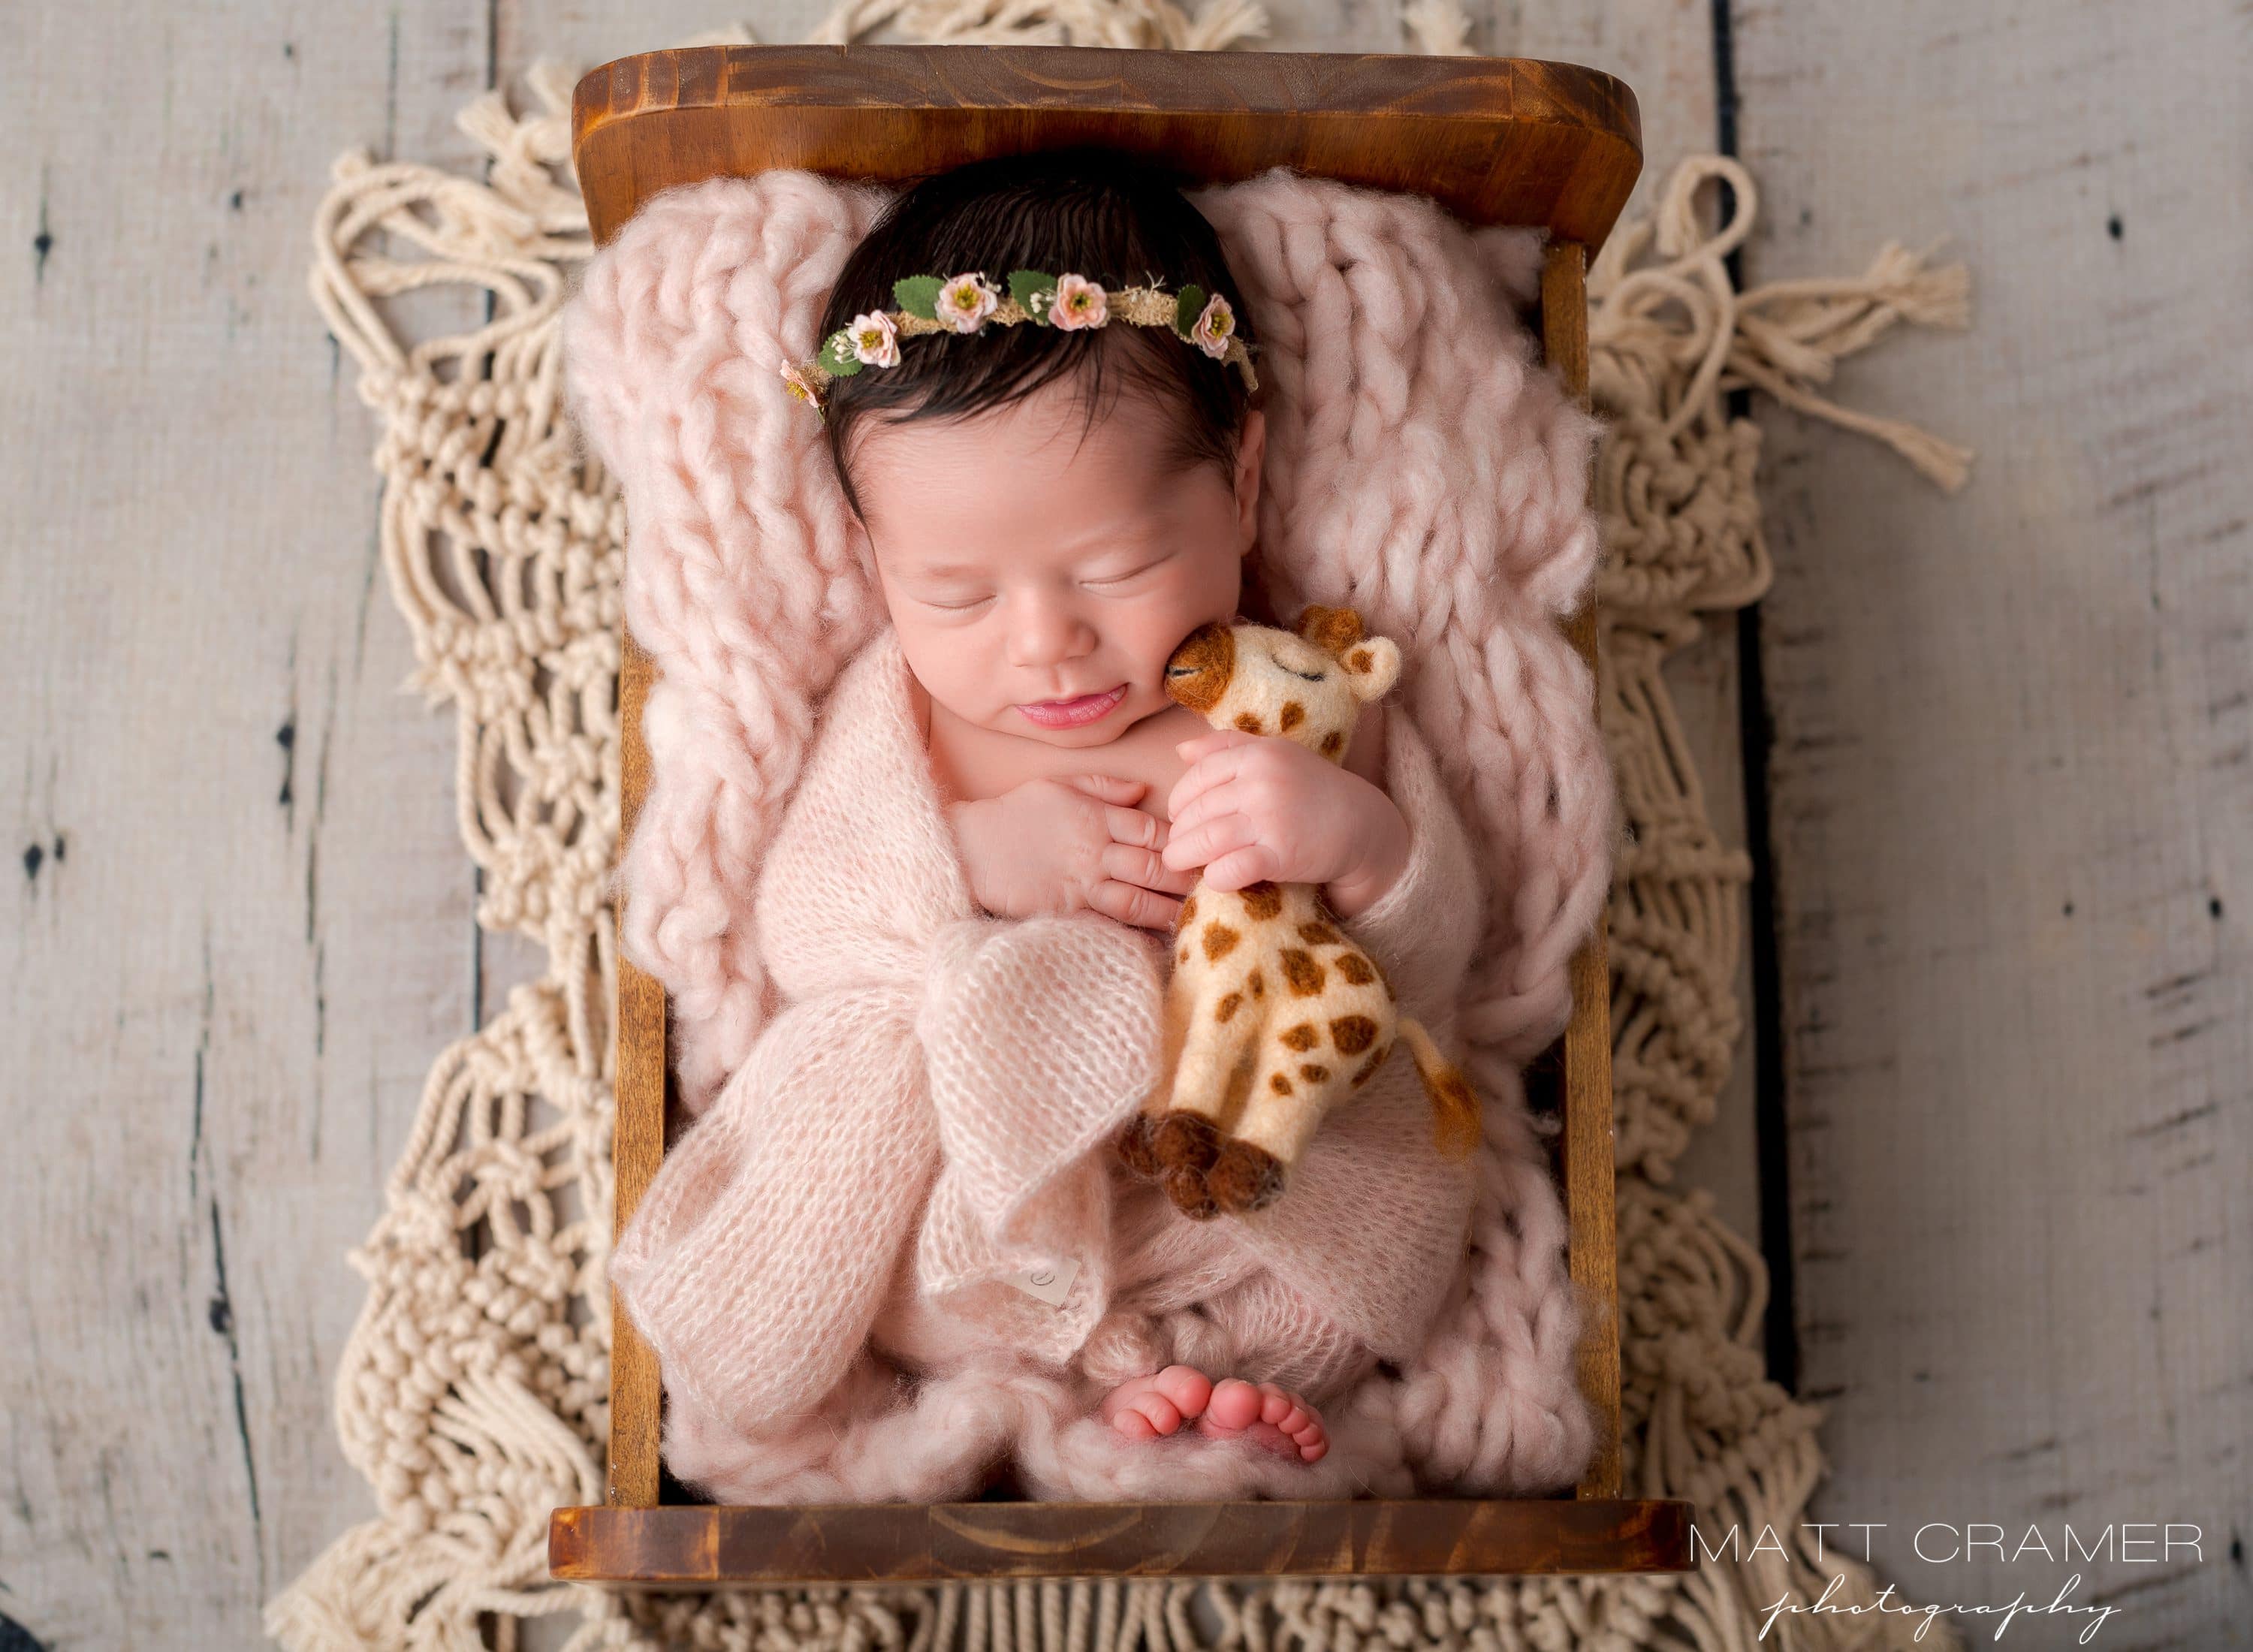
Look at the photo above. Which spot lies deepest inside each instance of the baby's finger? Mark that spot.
(1144, 867)
(1208, 839)
(1129, 904)
(1203, 745)
(1132, 825)
(1110, 788)
(1208, 766)
(1239, 867)
(1224, 799)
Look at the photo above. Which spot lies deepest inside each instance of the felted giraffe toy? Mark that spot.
(1273, 1015)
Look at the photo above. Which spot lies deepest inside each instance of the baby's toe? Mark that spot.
(1188, 1389)
(1163, 1416)
(1235, 1403)
(1132, 1424)
(1281, 1409)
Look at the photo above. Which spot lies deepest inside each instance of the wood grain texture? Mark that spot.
(633, 1470)
(1590, 1193)
(877, 1542)
(1507, 141)
(242, 925)
(2012, 788)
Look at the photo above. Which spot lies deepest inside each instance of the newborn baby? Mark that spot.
(1037, 615)
(1041, 559)
(964, 913)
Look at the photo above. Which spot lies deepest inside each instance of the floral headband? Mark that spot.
(966, 303)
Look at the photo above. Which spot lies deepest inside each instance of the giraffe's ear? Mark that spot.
(1373, 667)
(1332, 629)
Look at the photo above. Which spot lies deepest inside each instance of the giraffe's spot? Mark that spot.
(1294, 714)
(1319, 934)
(1357, 660)
(1249, 721)
(1353, 1034)
(1261, 900)
(1186, 915)
(1355, 968)
(1305, 976)
(1368, 1067)
(1333, 742)
(1183, 955)
(1227, 1007)
(1258, 984)
(1312, 1071)
(1219, 939)
(1278, 1084)
(1303, 1036)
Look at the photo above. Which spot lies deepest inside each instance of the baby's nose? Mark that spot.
(1044, 637)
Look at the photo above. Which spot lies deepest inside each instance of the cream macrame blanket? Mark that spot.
(472, 1393)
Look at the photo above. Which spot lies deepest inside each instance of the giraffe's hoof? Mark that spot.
(1138, 1145)
(1244, 1178)
(1190, 1196)
(1186, 1140)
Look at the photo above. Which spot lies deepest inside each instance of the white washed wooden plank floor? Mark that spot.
(2012, 788)
(2018, 1132)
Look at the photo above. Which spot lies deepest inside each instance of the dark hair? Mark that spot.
(1101, 213)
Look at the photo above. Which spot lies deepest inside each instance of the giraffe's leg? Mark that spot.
(1305, 1065)
(1138, 1143)
(1209, 1082)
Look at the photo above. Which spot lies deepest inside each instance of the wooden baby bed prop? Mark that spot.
(1496, 141)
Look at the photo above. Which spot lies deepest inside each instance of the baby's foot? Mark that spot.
(1150, 1407)
(1266, 1415)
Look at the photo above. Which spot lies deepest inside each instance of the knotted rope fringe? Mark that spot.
(473, 1392)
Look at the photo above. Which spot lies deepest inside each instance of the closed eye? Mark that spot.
(1309, 676)
(1120, 579)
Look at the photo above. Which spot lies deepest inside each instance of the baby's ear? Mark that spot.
(1372, 667)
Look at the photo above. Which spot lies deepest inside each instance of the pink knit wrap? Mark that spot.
(1421, 469)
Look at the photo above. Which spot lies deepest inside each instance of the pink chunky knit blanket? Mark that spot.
(894, 1118)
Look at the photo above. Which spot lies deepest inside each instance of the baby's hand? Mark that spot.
(1253, 806)
(1056, 846)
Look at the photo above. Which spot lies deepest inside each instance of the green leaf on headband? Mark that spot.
(1188, 308)
(1025, 285)
(919, 294)
(837, 355)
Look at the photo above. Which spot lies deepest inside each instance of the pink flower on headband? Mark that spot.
(966, 302)
(1214, 328)
(801, 384)
(876, 340)
(1079, 302)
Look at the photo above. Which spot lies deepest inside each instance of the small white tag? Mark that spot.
(1049, 1285)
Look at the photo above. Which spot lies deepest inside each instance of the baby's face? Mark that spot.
(1024, 566)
